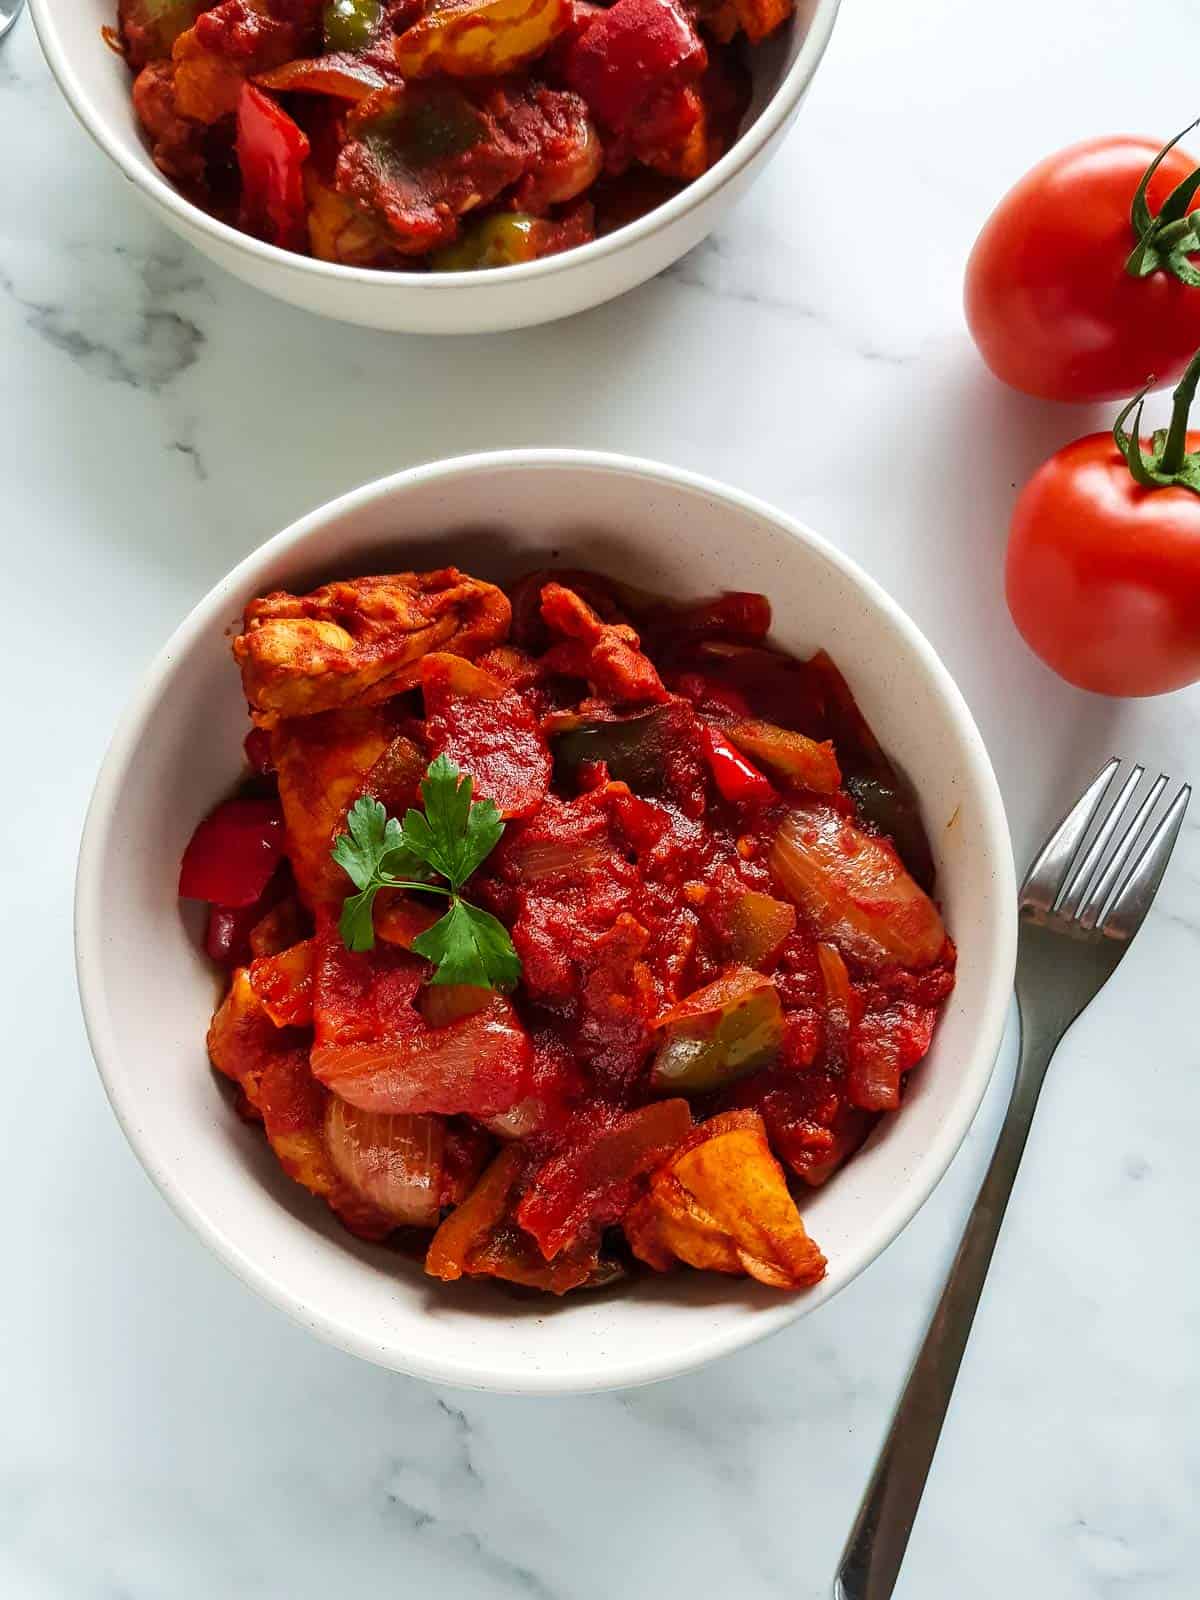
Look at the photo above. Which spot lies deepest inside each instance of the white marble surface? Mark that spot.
(167, 1435)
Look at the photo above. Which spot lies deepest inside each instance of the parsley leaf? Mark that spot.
(357, 921)
(371, 835)
(374, 847)
(374, 856)
(451, 838)
(468, 945)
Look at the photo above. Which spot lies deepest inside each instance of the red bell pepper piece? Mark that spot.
(227, 934)
(737, 615)
(739, 780)
(629, 54)
(271, 152)
(702, 690)
(233, 853)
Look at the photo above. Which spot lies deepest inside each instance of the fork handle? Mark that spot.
(874, 1552)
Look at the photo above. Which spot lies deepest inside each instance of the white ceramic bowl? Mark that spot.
(96, 83)
(148, 991)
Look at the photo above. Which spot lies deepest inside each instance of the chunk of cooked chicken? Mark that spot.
(242, 1039)
(608, 655)
(178, 144)
(148, 28)
(322, 763)
(755, 18)
(231, 42)
(480, 38)
(721, 1202)
(283, 984)
(362, 641)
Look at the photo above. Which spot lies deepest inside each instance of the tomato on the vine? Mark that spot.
(1103, 573)
(1081, 285)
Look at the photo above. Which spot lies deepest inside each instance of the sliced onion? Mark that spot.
(839, 1005)
(479, 1065)
(855, 889)
(394, 1161)
(524, 1118)
(873, 1082)
(542, 859)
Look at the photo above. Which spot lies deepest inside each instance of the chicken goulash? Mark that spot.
(437, 134)
(568, 931)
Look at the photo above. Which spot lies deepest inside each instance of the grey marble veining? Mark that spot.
(167, 1435)
(121, 331)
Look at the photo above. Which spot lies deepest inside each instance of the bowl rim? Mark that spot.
(153, 184)
(98, 840)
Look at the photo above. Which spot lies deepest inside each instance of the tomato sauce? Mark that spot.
(716, 883)
(405, 136)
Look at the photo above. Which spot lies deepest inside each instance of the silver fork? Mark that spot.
(1082, 901)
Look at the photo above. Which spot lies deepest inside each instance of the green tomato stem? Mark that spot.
(1165, 241)
(1174, 452)
(1169, 464)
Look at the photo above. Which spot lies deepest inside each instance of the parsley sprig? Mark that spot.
(451, 838)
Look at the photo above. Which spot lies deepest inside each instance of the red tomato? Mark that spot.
(1048, 299)
(1104, 575)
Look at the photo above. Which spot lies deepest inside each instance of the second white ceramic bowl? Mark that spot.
(96, 83)
(148, 991)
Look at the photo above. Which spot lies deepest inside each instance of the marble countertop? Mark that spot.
(167, 1434)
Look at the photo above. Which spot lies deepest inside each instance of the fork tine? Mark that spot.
(1049, 872)
(1124, 917)
(1073, 891)
(1089, 911)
